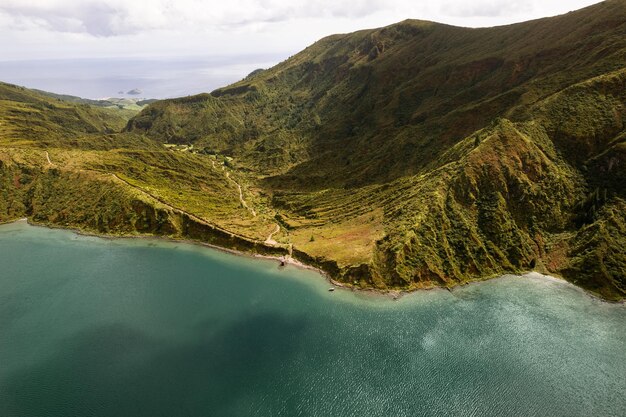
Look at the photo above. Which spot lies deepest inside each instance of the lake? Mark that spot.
(140, 327)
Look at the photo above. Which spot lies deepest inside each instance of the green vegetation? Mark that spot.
(61, 164)
(411, 156)
(128, 106)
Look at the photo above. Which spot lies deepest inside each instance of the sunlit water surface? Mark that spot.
(100, 327)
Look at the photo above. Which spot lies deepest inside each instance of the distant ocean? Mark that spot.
(154, 77)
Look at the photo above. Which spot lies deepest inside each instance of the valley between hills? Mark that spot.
(412, 156)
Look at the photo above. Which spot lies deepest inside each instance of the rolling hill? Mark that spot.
(405, 157)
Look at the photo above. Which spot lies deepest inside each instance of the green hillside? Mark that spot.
(127, 107)
(411, 156)
(380, 104)
(61, 164)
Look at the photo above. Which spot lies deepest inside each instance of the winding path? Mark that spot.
(147, 194)
(269, 240)
(241, 200)
(179, 210)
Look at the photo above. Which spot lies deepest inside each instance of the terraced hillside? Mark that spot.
(62, 165)
(423, 154)
(411, 156)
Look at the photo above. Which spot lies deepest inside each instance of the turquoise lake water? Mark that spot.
(100, 327)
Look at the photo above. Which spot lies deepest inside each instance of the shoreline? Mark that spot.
(81, 232)
(394, 294)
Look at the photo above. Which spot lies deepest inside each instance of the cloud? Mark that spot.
(100, 18)
(121, 17)
(82, 28)
(485, 8)
(109, 18)
(94, 18)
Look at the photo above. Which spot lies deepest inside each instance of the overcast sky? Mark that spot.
(39, 29)
(170, 48)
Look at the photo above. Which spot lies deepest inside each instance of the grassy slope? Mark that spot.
(380, 104)
(406, 157)
(422, 154)
(126, 107)
(113, 183)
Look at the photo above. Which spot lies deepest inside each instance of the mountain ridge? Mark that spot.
(372, 109)
(411, 156)
(399, 107)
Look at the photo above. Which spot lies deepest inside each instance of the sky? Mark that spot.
(232, 37)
